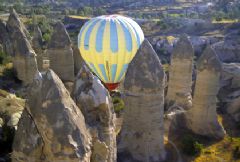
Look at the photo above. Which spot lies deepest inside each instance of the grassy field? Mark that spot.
(226, 21)
(226, 150)
(79, 17)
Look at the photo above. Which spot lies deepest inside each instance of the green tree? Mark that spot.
(99, 11)
(191, 146)
(85, 11)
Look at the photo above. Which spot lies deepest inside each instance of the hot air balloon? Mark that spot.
(108, 43)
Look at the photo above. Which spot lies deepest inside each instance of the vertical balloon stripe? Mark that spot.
(124, 69)
(135, 30)
(113, 37)
(102, 68)
(88, 33)
(99, 37)
(81, 32)
(79, 38)
(127, 34)
(121, 51)
(94, 69)
(113, 72)
(108, 44)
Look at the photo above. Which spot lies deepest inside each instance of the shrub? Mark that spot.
(162, 25)
(9, 72)
(218, 19)
(46, 37)
(191, 146)
(85, 11)
(7, 133)
(118, 104)
(99, 11)
(4, 58)
(236, 152)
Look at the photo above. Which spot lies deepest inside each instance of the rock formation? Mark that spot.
(202, 117)
(78, 60)
(28, 144)
(58, 121)
(24, 60)
(12, 107)
(229, 94)
(37, 43)
(180, 74)
(141, 138)
(94, 101)
(15, 22)
(5, 39)
(61, 54)
(228, 50)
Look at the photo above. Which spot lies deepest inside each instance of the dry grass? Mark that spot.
(5, 67)
(222, 151)
(225, 21)
(79, 17)
(10, 104)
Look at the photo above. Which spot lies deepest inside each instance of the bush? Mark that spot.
(191, 146)
(9, 73)
(236, 152)
(46, 37)
(118, 104)
(163, 25)
(99, 11)
(7, 135)
(85, 11)
(4, 58)
(218, 19)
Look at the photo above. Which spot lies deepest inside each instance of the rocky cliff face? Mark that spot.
(58, 126)
(180, 75)
(228, 50)
(78, 60)
(28, 144)
(141, 138)
(15, 22)
(229, 93)
(5, 39)
(94, 101)
(61, 54)
(24, 56)
(37, 44)
(202, 117)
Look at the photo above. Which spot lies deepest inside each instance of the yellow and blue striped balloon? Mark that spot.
(108, 44)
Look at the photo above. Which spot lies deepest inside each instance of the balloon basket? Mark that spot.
(111, 86)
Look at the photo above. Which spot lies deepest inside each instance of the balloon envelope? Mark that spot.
(108, 44)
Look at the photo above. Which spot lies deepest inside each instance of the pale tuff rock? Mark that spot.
(202, 117)
(60, 53)
(37, 43)
(141, 138)
(58, 121)
(12, 107)
(5, 39)
(28, 144)
(229, 92)
(94, 101)
(78, 60)
(228, 50)
(180, 74)
(24, 60)
(15, 23)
